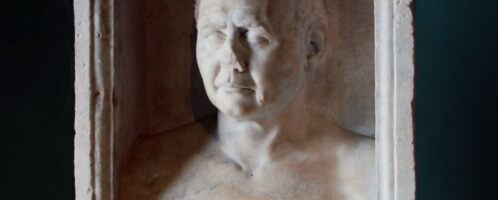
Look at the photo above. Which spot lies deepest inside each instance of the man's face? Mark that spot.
(249, 69)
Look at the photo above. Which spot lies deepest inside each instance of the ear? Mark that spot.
(315, 43)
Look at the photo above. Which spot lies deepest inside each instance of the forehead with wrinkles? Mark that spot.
(271, 14)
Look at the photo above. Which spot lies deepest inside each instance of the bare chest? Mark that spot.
(209, 175)
(216, 179)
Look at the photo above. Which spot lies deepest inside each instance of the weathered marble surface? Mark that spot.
(256, 59)
(342, 91)
(187, 163)
(119, 65)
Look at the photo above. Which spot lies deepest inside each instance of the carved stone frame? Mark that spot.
(95, 147)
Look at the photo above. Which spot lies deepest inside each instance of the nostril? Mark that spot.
(239, 68)
(243, 32)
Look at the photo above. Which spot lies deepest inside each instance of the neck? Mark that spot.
(253, 143)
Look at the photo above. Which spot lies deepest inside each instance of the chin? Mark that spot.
(238, 111)
(235, 104)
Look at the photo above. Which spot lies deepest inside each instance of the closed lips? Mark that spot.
(235, 87)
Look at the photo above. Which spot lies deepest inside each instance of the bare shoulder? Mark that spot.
(350, 150)
(362, 147)
(359, 156)
(160, 161)
(178, 144)
(357, 167)
(329, 133)
(354, 158)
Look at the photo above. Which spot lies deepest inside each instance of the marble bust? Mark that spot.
(254, 57)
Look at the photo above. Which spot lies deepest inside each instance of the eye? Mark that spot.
(259, 40)
(220, 34)
(216, 36)
(263, 40)
(255, 37)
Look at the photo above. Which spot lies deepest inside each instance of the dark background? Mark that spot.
(456, 99)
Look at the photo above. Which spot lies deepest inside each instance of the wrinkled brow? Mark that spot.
(218, 19)
(210, 21)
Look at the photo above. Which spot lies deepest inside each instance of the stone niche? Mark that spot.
(137, 77)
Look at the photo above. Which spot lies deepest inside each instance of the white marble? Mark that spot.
(267, 142)
(267, 145)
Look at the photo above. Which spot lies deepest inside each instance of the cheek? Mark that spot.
(278, 69)
(278, 76)
(286, 80)
(288, 65)
(208, 67)
(205, 52)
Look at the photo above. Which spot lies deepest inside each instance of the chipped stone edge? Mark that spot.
(394, 96)
(94, 110)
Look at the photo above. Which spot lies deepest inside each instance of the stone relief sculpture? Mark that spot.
(290, 88)
(254, 58)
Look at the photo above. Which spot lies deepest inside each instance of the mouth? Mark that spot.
(236, 88)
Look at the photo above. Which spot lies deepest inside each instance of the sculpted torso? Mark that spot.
(254, 58)
(188, 163)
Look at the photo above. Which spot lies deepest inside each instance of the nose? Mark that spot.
(234, 52)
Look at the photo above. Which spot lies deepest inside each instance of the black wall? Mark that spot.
(457, 97)
(37, 99)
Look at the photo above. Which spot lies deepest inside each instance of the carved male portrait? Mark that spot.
(256, 59)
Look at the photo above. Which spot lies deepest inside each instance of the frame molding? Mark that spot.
(94, 91)
(94, 162)
(394, 96)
